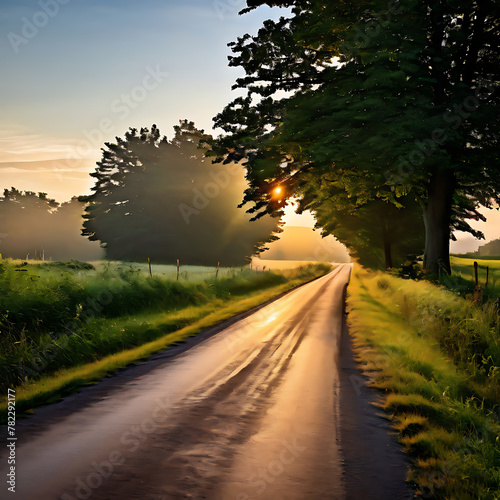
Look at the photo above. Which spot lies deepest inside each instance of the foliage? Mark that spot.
(411, 269)
(390, 100)
(377, 233)
(160, 199)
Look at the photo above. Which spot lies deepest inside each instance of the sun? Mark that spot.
(277, 190)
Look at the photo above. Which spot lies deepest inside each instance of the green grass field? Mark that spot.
(464, 267)
(436, 357)
(463, 276)
(186, 273)
(65, 324)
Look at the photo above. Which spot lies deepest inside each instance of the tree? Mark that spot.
(25, 218)
(66, 240)
(402, 96)
(376, 232)
(33, 225)
(160, 199)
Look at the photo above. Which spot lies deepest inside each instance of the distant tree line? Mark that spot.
(34, 226)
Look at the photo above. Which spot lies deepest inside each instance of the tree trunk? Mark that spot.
(386, 240)
(437, 219)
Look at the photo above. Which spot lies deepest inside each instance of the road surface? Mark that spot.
(249, 413)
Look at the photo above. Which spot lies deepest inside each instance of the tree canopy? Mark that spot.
(395, 102)
(160, 199)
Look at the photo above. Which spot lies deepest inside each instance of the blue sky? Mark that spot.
(63, 74)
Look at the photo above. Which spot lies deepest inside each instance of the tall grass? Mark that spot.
(436, 356)
(468, 333)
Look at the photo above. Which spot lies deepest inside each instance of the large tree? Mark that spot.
(401, 96)
(160, 199)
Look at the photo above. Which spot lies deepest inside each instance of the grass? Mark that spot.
(463, 276)
(477, 257)
(186, 273)
(62, 329)
(436, 357)
(166, 271)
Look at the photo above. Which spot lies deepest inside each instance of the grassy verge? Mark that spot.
(437, 359)
(45, 366)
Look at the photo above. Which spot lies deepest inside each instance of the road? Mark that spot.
(249, 413)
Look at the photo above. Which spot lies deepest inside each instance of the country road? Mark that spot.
(252, 412)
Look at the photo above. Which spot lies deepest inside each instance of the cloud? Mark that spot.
(17, 144)
(60, 165)
(60, 178)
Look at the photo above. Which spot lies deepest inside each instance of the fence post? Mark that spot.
(217, 270)
(487, 275)
(475, 273)
(149, 263)
(177, 269)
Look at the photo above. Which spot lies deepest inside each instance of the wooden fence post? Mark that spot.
(217, 270)
(177, 269)
(475, 273)
(487, 275)
(149, 263)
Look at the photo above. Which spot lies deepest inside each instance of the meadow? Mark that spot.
(62, 316)
(166, 271)
(488, 273)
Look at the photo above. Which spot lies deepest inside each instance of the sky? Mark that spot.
(94, 68)
(77, 73)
